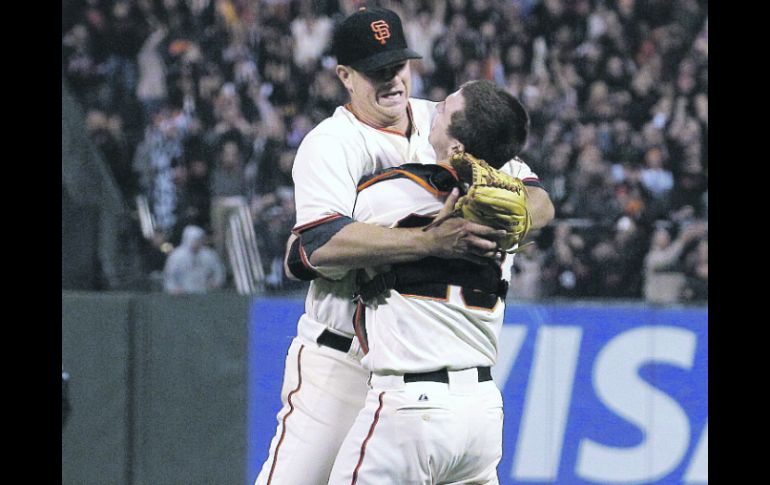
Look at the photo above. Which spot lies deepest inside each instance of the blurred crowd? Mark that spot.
(195, 101)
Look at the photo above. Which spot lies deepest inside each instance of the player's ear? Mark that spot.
(345, 74)
(455, 147)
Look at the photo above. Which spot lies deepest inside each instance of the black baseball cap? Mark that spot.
(370, 39)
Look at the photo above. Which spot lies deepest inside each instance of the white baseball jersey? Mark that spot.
(423, 429)
(420, 333)
(330, 161)
(323, 388)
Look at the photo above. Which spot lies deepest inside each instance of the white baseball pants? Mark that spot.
(424, 433)
(323, 391)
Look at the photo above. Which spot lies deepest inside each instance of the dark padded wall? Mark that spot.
(95, 353)
(158, 388)
(191, 389)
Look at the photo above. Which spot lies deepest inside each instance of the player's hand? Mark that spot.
(455, 237)
(449, 205)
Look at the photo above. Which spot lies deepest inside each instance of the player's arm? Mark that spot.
(330, 242)
(539, 203)
(541, 208)
(331, 251)
(290, 243)
(360, 245)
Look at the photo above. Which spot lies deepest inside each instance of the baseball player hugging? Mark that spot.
(429, 328)
(324, 385)
(401, 386)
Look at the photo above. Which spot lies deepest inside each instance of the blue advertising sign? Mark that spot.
(593, 393)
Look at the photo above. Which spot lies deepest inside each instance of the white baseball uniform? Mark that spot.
(325, 387)
(414, 429)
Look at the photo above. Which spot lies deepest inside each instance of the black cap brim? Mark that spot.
(383, 59)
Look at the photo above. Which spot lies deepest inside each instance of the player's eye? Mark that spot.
(386, 73)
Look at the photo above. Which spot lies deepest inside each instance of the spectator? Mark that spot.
(154, 162)
(617, 93)
(696, 270)
(566, 271)
(107, 134)
(273, 222)
(193, 267)
(311, 33)
(631, 242)
(656, 179)
(622, 277)
(422, 30)
(125, 36)
(557, 180)
(663, 276)
(227, 178)
(526, 274)
(151, 88)
(195, 201)
(228, 189)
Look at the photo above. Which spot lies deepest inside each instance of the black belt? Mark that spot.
(335, 341)
(442, 375)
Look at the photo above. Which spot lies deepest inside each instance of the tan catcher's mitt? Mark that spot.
(494, 199)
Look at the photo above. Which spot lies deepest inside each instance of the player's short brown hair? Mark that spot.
(493, 125)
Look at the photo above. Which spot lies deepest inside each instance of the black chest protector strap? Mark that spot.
(430, 271)
(437, 179)
(428, 275)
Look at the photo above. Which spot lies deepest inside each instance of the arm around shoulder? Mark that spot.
(541, 208)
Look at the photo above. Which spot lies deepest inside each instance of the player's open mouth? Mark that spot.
(392, 96)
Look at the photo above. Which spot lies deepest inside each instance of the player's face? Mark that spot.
(381, 93)
(439, 137)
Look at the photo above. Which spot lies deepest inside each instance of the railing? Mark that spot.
(237, 233)
(146, 220)
(242, 251)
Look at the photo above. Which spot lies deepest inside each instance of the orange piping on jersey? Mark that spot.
(368, 437)
(357, 316)
(450, 168)
(297, 230)
(376, 179)
(291, 410)
(414, 178)
(349, 107)
(305, 261)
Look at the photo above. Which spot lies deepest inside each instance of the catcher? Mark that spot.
(429, 328)
(492, 198)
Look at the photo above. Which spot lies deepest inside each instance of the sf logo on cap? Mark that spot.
(381, 30)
